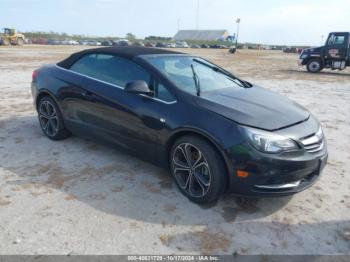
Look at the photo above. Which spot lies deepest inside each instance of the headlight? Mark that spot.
(319, 133)
(269, 142)
(303, 56)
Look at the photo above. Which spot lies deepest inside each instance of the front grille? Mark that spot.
(313, 143)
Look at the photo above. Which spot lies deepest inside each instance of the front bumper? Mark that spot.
(274, 175)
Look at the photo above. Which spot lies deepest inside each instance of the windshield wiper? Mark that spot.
(196, 81)
(224, 72)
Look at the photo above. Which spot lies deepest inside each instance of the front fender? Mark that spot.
(305, 60)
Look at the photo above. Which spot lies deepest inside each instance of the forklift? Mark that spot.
(335, 54)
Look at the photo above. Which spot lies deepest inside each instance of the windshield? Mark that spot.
(188, 73)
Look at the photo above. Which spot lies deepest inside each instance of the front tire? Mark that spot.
(314, 65)
(51, 120)
(20, 41)
(198, 169)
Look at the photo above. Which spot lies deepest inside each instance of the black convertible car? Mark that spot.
(215, 132)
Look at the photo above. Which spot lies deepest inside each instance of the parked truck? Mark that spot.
(335, 54)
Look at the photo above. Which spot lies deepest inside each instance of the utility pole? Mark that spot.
(197, 15)
(178, 24)
(237, 21)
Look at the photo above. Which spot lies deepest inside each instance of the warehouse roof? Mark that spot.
(200, 34)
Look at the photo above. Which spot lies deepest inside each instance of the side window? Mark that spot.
(336, 40)
(109, 68)
(339, 40)
(162, 93)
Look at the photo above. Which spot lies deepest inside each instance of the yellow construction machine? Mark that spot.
(9, 36)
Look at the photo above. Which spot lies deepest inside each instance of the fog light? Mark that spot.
(242, 174)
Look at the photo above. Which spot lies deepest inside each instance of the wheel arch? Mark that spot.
(44, 93)
(306, 60)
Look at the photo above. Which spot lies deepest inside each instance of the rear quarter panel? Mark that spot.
(55, 81)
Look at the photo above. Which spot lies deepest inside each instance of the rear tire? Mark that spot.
(51, 120)
(5, 41)
(198, 169)
(314, 65)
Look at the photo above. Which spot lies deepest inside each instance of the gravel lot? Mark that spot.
(80, 197)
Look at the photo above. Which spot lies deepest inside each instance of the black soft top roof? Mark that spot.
(127, 52)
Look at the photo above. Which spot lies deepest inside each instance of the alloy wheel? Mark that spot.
(191, 170)
(48, 118)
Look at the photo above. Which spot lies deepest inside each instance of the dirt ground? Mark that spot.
(81, 197)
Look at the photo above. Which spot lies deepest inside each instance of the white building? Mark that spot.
(203, 35)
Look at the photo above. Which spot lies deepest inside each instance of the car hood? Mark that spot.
(255, 107)
(314, 50)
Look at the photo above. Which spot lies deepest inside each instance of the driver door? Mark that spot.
(130, 121)
(337, 45)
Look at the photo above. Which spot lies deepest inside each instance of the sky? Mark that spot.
(285, 22)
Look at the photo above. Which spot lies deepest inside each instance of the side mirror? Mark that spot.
(137, 87)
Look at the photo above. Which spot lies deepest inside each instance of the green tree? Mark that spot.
(130, 37)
